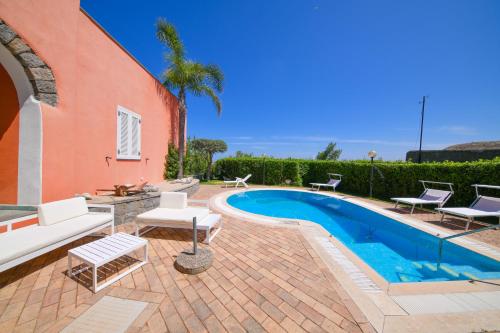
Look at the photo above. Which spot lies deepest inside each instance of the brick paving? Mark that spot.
(263, 279)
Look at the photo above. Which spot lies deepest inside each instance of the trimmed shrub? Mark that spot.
(395, 178)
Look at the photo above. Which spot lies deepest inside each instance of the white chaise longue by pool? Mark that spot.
(238, 181)
(59, 223)
(482, 206)
(429, 196)
(174, 212)
(333, 181)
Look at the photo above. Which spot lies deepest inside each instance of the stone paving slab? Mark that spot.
(108, 315)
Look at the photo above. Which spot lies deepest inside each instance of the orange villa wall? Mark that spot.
(9, 138)
(93, 76)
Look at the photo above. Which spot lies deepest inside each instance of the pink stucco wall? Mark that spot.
(93, 76)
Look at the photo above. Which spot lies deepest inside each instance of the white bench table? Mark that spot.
(100, 252)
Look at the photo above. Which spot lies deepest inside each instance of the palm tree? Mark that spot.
(187, 76)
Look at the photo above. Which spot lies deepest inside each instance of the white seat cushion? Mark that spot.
(58, 211)
(26, 240)
(173, 215)
(175, 200)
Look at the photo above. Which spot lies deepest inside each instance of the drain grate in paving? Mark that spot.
(109, 315)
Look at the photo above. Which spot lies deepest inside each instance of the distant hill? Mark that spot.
(480, 145)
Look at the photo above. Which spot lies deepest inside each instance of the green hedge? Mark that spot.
(399, 178)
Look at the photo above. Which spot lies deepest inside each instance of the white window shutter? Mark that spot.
(136, 136)
(128, 134)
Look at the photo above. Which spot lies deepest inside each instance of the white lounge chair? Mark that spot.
(483, 206)
(238, 181)
(428, 197)
(59, 223)
(174, 212)
(332, 182)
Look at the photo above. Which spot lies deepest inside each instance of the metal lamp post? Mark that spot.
(371, 154)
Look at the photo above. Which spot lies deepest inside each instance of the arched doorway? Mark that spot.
(9, 139)
(25, 80)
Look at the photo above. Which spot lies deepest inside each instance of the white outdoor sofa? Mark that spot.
(430, 196)
(59, 223)
(174, 212)
(483, 206)
(332, 182)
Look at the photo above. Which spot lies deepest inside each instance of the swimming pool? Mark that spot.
(398, 252)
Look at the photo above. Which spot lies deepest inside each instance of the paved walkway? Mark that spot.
(262, 279)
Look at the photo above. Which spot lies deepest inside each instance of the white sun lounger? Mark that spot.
(483, 206)
(238, 181)
(174, 212)
(333, 183)
(428, 197)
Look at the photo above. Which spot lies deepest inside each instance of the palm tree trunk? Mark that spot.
(182, 131)
(209, 169)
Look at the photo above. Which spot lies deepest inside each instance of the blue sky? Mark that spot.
(301, 73)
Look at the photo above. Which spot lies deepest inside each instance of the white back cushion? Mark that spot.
(176, 200)
(58, 211)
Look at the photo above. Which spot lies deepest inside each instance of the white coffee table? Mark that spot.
(102, 251)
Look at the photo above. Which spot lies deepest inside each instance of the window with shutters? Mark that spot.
(128, 141)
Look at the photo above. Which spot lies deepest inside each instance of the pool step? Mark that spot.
(404, 278)
(441, 271)
(489, 275)
(429, 269)
(449, 271)
(469, 276)
(433, 272)
(417, 265)
(437, 279)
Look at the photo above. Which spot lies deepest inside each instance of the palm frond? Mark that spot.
(167, 34)
(173, 78)
(215, 77)
(208, 91)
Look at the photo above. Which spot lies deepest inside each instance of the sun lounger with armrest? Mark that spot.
(238, 181)
(429, 196)
(332, 182)
(482, 206)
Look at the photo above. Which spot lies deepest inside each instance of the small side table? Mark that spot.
(102, 251)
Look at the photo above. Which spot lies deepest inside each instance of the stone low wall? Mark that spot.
(127, 208)
(453, 155)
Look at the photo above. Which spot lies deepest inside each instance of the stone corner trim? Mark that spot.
(39, 73)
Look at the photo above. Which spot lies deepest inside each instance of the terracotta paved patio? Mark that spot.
(262, 279)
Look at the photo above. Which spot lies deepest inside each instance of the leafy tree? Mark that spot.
(330, 153)
(196, 161)
(187, 76)
(240, 153)
(209, 147)
(171, 162)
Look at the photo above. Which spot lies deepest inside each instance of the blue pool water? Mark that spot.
(398, 252)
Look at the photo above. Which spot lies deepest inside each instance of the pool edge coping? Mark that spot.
(392, 289)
